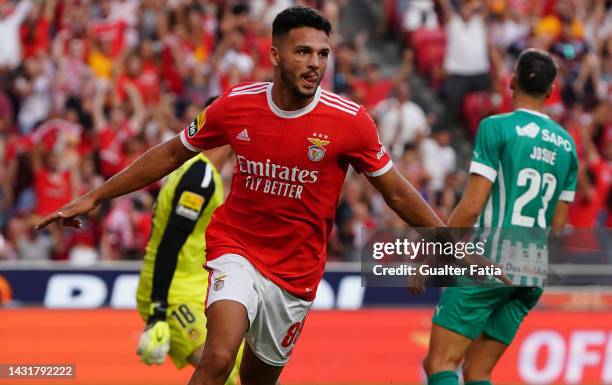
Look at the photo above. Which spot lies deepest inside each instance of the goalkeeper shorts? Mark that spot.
(187, 329)
(276, 317)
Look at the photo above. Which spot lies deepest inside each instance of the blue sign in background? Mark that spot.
(98, 287)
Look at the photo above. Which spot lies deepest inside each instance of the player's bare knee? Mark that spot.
(438, 362)
(217, 362)
(429, 364)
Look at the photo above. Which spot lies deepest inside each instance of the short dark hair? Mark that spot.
(535, 72)
(299, 16)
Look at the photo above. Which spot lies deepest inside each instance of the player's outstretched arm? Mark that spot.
(405, 200)
(470, 206)
(412, 208)
(472, 202)
(559, 219)
(154, 164)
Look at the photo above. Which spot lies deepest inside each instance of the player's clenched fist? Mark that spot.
(154, 343)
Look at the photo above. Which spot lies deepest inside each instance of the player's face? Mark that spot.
(301, 59)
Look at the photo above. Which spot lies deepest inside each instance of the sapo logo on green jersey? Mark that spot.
(530, 130)
(558, 140)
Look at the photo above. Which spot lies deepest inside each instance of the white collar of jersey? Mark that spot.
(292, 114)
(533, 112)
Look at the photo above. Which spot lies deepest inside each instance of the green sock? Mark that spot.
(443, 378)
(480, 382)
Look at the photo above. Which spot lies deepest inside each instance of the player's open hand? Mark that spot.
(69, 213)
(154, 343)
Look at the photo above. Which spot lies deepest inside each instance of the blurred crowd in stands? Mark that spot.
(87, 86)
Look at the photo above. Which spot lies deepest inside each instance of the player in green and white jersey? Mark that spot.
(522, 176)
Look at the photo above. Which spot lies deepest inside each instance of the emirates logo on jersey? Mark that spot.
(316, 152)
(275, 179)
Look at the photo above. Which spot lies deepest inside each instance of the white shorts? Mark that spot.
(276, 317)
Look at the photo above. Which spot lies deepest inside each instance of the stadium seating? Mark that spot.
(429, 47)
(476, 106)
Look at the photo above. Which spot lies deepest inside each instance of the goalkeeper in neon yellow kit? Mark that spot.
(173, 282)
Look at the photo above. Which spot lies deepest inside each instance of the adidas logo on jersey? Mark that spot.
(531, 130)
(244, 136)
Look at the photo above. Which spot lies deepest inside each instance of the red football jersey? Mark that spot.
(53, 190)
(290, 167)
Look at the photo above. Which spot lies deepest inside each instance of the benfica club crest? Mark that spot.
(218, 285)
(316, 152)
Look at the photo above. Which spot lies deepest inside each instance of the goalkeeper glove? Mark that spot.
(154, 343)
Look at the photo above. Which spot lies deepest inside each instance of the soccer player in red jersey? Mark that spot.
(266, 244)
